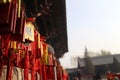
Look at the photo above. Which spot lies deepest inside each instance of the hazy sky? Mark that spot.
(94, 24)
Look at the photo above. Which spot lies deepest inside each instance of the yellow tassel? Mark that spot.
(19, 7)
(3, 1)
(14, 44)
(38, 41)
(46, 54)
(42, 52)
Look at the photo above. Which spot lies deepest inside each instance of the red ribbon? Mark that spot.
(44, 72)
(26, 65)
(10, 63)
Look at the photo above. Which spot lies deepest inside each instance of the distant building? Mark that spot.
(102, 64)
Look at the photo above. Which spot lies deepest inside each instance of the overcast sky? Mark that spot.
(94, 24)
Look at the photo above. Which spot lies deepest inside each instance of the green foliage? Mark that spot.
(103, 52)
(89, 68)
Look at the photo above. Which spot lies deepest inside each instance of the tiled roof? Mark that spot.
(100, 60)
